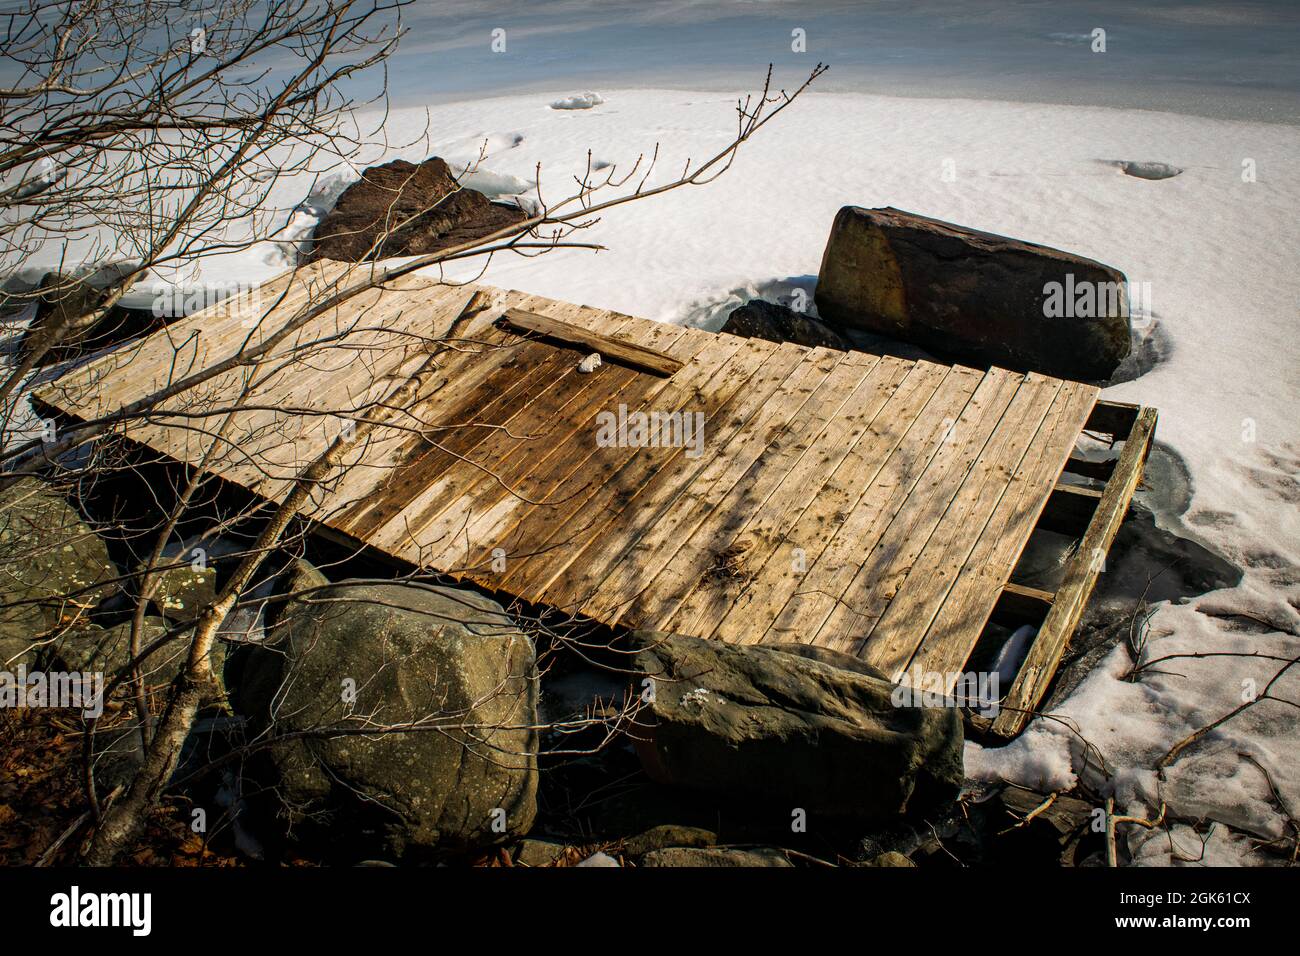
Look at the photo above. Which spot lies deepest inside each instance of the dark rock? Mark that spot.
(757, 319)
(666, 835)
(412, 654)
(185, 590)
(539, 853)
(889, 859)
(1034, 829)
(973, 296)
(71, 303)
(831, 658)
(108, 650)
(53, 567)
(752, 720)
(716, 857)
(442, 214)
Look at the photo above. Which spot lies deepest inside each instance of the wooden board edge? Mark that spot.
(627, 353)
(1039, 667)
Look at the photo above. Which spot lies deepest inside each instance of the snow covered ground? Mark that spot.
(1216, 243)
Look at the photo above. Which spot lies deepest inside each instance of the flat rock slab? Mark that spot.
(791, 730)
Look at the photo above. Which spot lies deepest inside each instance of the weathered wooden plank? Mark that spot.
(827, 579)
(600, 516)
(362, 359)
(138, 368)
(445, 520)
(760, 416)
(444, 439)
(628, 353)
(1081, 571)
(699, 552)
(805, 538)
(388, 449)
(367, 381)
(493, 466)
(462, 539)
(268, 440)
(644, 475)
(481, 384)
(888, 562)
(978, 586)
(896, 634)
(731, 462)
(767, 527)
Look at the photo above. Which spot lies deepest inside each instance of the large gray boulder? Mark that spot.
(973, 296)
(793, 730)
(361, 657)
(53, 566)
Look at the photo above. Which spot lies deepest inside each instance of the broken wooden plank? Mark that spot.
(610, 348)
(1035, 674)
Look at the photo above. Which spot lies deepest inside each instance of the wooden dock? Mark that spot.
(859, 502)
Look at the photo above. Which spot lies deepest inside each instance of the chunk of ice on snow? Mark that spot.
(579, 101)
